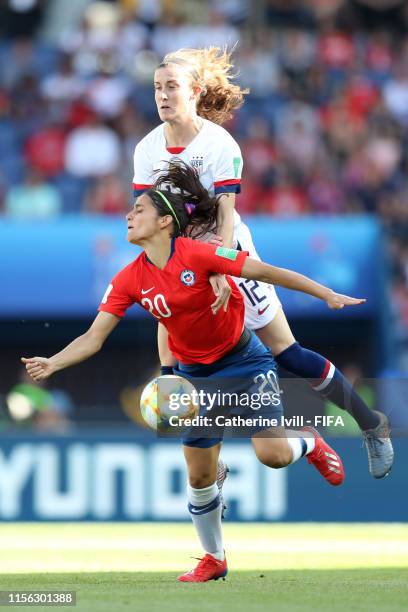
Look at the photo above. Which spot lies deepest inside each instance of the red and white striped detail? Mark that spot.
(333, 463)
(326, 377)
(138, 189)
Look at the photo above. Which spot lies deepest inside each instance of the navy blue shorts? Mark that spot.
(250, 373)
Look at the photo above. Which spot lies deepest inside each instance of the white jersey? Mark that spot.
(216, 156)
(213, 153)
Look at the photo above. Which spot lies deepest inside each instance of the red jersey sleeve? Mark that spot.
(117, 298)
(214, 259)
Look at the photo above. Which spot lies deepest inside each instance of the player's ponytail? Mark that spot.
(178, 192)
(211, 68)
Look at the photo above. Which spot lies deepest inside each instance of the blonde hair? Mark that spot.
(211, 68)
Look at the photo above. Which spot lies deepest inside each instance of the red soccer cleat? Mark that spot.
(209, 568)
(326, 460)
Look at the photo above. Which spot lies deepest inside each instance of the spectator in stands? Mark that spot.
(217, 32)
(63, 85)
(96, 36)
(258, 150)
(343, 129)
(249, 201)
(44, 150)
(384, 152)
(286, 198)
(131, 127)
(35, 199)
(324, 193)
(27, 107)
(396, 95)
(299, 136)
(133, 36)
(259, 68)
(300, 147)
(336, 49)
(107, 197)
(93, 149)
(297, 51)
(107, 93)
(379, 56)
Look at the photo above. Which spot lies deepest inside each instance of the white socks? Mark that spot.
(205, 510)
(299, 443)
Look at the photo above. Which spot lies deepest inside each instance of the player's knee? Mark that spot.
(200, 481)
(274, 457)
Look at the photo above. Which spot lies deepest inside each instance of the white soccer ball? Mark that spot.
(165, 397)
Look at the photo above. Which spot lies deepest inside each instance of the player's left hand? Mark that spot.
(337, 300)
(222, 290)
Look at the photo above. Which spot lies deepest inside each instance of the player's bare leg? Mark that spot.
(201, 465)
(277, 448)
(272, 448)
(330, 383)
(277, 335)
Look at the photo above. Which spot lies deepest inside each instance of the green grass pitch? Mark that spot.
(273, 567)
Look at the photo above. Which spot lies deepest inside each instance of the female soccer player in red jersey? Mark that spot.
(195, 95)
(170, 280)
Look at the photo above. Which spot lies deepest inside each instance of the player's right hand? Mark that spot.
(222, 291)
(337, 300)
(39, 368)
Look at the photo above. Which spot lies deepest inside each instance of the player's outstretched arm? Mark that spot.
(257, 270)
(83, 347)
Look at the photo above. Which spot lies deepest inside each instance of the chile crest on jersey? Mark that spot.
(187, 277)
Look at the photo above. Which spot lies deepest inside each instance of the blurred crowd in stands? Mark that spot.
(324, 130)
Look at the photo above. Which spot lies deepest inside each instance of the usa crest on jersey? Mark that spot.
(187, 277)
(197, 162)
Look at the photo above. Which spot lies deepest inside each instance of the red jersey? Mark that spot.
(180, 297)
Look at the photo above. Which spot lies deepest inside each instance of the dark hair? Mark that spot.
(194, 209)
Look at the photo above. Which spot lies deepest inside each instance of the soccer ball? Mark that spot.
(165, 397)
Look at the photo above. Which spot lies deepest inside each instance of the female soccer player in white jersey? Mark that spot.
(194, 95)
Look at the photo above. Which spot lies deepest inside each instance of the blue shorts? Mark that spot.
(250, 373)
